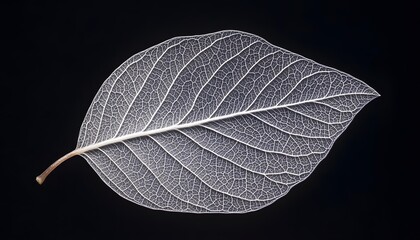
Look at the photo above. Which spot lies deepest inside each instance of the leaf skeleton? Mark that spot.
(224, 122)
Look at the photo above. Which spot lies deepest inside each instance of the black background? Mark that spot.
(58, 55)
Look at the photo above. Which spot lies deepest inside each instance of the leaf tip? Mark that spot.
(375, 93)
(372, 92)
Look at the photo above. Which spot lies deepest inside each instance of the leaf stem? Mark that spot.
(41, 178)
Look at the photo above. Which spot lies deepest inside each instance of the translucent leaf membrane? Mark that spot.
(224, 122)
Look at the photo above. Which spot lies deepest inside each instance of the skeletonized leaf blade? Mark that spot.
(223, 122)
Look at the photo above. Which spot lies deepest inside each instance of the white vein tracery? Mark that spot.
(223, 122)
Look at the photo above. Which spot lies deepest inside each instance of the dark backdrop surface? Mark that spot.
(59, 54)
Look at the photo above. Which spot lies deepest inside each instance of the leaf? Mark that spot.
(224, 122)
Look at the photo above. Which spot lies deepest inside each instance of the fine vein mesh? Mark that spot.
(223, 122)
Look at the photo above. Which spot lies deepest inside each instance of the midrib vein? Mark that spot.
(197, 123)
